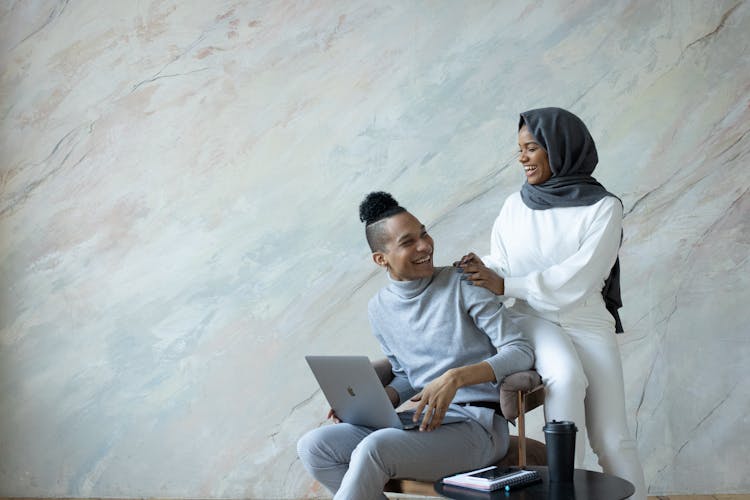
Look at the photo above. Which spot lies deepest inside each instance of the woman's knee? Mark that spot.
(569, 379)
(559, 365)
(608, 443)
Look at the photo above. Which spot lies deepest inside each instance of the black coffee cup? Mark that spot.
(560, 437)
(561, 491)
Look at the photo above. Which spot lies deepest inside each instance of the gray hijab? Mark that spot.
(572, 159)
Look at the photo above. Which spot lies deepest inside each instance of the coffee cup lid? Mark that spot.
(560, 426)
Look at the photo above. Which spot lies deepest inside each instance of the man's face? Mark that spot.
(408, 252)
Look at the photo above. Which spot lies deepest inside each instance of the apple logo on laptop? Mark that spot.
(350, 391)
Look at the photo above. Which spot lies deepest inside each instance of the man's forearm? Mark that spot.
(472, 374)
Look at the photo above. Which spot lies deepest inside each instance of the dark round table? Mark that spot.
(587, 485)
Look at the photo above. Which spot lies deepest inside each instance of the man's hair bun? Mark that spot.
(378, 205)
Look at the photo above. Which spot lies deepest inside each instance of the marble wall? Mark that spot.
(178, 217)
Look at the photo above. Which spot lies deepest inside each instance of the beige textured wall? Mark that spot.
(178, 226)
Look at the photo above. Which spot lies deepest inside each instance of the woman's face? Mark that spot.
(533, 158)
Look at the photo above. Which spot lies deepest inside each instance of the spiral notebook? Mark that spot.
(494, 478)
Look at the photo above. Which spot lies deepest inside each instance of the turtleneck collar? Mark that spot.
(408, 289)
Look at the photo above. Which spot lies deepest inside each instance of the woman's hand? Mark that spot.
(479, 274)
(436, 397)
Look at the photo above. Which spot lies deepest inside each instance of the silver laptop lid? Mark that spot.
(354, 390)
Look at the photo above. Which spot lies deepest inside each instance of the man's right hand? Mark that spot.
(435, 399)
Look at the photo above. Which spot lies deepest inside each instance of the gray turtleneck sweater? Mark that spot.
(428, 326)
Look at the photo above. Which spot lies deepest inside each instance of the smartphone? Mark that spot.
(493, 473)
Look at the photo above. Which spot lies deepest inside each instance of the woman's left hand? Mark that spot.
(481, 275)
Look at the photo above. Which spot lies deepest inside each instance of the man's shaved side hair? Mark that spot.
(374, 210)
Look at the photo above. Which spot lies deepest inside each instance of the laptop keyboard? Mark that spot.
(407, 422)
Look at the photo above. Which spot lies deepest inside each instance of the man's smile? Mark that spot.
(423, 260)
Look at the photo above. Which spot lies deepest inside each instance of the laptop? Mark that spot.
(356, 394)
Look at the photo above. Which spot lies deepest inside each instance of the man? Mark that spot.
(444, 337)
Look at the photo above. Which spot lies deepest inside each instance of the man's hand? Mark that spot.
(436, 396)
(439, 394)
(479, 274)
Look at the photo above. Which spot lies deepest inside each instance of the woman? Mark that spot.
(554, 249)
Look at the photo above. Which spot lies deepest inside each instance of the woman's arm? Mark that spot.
(497, 260)
(567, 283)
(489, 270)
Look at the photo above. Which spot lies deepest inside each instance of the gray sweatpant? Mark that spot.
(355, 462)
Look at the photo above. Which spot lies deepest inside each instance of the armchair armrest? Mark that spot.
(528, 382)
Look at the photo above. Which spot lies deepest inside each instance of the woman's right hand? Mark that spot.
(479, 274)
(469, 258)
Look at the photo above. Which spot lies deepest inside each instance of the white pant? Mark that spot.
(579, 361)
(355, 462)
